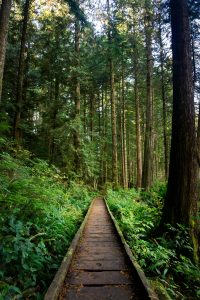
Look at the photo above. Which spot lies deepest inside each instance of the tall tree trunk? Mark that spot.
(181, 200)
(198, 138)
(130, 158)
(91, 116)
(105, 144)
(113, 102)
(77, 162)
(138, 128)
(4, 22)
(138, 138)
(20, 75)
(125, 177)
(84, 115)
(120, 136)
(138, 164)
(165, 143)
(54, 120)
(148, 144)
(103, 136)
(114, 127)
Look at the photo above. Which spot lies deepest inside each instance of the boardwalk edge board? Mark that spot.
(54, 289)
(151, 294)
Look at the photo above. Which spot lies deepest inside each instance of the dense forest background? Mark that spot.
(87, 94)
(57, 97)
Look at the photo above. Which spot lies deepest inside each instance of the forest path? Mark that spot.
(100, 269)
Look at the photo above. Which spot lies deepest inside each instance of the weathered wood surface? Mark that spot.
(101, 269)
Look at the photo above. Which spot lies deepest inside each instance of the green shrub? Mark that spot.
(39, 217)
(168, 259)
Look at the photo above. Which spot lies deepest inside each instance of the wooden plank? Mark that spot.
(93, 234)
(99, 231)
(113, 265)
(101, 293)
(101, 256)
(104, 239)
(94, 254)
(97, 243)
(99, 278)
(105, 248)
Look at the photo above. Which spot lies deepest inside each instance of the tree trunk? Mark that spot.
(114, 127)
(20, 75)
(84, 116)
(105, 143)
(198, 138)
(165, 143)
(113, 104)
(138, 139)
(103, 136)
(125, 177)
(138, 129)
(120, 136)
(148, 144)
(77, 97)
(4, 23)
(138, 164)
(181, 200)
(91, 116)
(54, 119)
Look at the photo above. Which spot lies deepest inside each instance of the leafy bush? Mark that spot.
(171, 260)
(39, 217)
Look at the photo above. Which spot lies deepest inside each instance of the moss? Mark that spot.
(194, 237)
(160, 290)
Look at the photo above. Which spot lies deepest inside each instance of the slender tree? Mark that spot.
(124, 134)
(163, 92)
(77, 96)
(181, 200)
(4, 22)
(148, 144)
(137, 115)
(20, 75)
(198, 137)
(113, 101)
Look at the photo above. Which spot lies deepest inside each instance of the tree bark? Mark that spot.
(4, 23)
(113, 104)
(91, 116)
(120, 135)
(181, 200)
(148, 144)
(54, 120)
(198, 139)
(77, 96)
(124, 135)
(20, 75)
(165, 143)
(105, 143)
(138, 128)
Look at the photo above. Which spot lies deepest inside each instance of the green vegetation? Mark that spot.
(40, 214)
(166, 258)
(88, 92)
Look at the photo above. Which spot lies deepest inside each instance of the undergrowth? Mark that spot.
(39, 217)
(163, 259)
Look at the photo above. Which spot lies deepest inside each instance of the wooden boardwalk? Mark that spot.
(100, 268)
